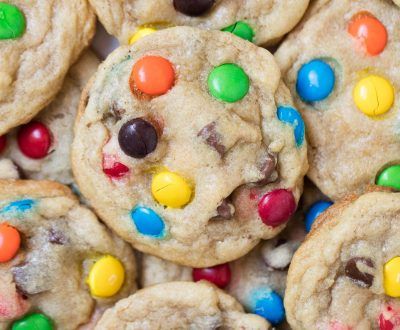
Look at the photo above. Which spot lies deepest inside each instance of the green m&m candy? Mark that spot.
(12, 22)
(35, 321)
(241, 30)
(228, 82)
(390, 177)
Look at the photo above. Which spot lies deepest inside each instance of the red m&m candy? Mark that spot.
(369, 31)
(34, 140)
(10, 242)
(276, 207)
(219, 275)
(112, 168)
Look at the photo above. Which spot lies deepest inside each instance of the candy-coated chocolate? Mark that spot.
(106, 277)
(170, 189)
(390, 177)
(34, 140)
(389, 318)
(373, 95)
(36, 321)
(3, 142)
(114, 169)
(391, 277)
(21, 206)
(219, 275)
(12, 22)
(10, 241)
(369, 32)
(291, 116)
(140, 33)
(152, 75)
(268, 304)
(193, 7)
(315, 81)
(276, 207)
(228, 82)
(137, 138)
(148, 222)
(314, 211)
(241, 30)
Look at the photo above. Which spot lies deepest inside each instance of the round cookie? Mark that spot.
(39, 40)
(41, 148)
(187, 153)
(347, 89)
(56, 259)
(397, 2)
(180, 305)
(263, 22)
(352, 280)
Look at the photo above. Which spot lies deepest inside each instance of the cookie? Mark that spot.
(41, 148)
(345, 83)
(352, 282)
(39, 40)
(263, 22)
(193, 154)
(180, 305)
(56, 259)
(8, 170)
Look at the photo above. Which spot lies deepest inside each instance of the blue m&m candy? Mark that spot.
(314, 211)
(268, 304)
(291, 116)
(148, 222)
(315, 81)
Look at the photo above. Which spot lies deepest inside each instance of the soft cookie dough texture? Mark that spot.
(180, 305)
(336, 278)
(347, 148)
(220, 148)
(269, 19)
(33, 66)
(61, 240)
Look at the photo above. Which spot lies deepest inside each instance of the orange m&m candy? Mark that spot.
(369, 31)
(10, 242)
(152, 75)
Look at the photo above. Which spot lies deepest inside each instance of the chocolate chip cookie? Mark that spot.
(263, 22)
(345, 275)
(39, 40)
(182, 305)
(341, 65)
(188, 146)
(57, 262)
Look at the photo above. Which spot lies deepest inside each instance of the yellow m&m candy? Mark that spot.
(373, 95)
(106, 277)
(391, 277)
(140, 33)
(170, 189)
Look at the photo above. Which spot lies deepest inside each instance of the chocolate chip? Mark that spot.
(224, 210)
(267, 169)
(213, 138)
(137, 138)
(57, 237)
(193, 7)
(360, 277)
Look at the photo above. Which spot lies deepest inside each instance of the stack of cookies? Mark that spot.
(230, 165)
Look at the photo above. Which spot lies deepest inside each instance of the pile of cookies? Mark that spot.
(231, 164)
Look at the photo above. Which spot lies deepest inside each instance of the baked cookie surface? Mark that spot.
(189, 153)
(345, 275)
(263, 22)
(39, 40)
(56, 259)
(347, 89)
(180, 305)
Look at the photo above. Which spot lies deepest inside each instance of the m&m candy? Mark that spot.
(12, 22)
(140, 33)
(241, 30)
(10, 241)
(36, 321)
(148, 222)
(268, 304)
(219, 275)
(113, 168)
(193, 7)
(228, 82)
(291, 116)
(373, 95)
(390, 177)
(106, 277)
(391, 277)
(170, 189)
(34, 140)
(152, 75)
(315, 81)
(276, 207)
(314, 211)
